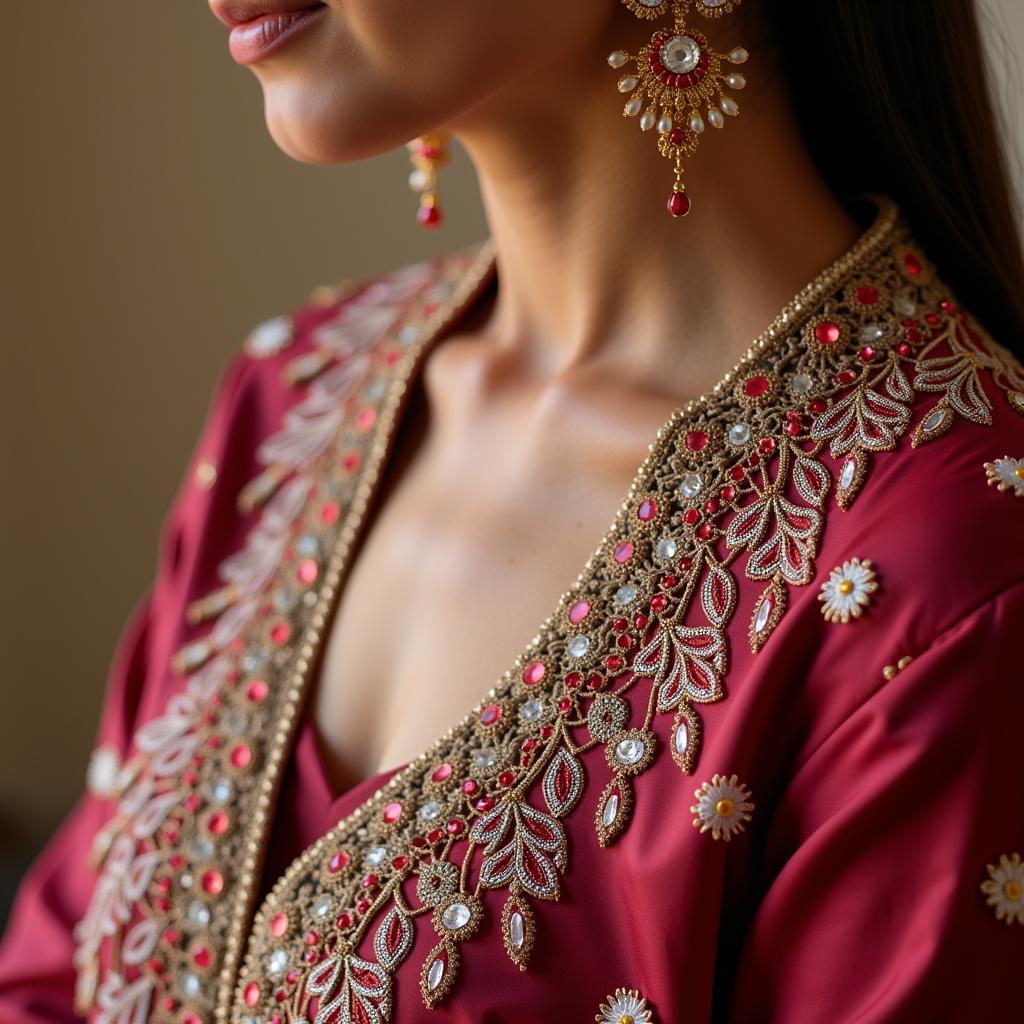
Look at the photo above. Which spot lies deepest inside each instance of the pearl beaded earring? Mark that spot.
(428, 154)
(678, 74)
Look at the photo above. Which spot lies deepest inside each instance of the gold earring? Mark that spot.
(428, 154)
(679, 76)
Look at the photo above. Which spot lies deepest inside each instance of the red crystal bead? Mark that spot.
(307, 570)
(658, 602)
(547, 731)
(528, 744)
(400, 862)
(912, 334)
(903, 349)
(766, 445)
(619, 625)
(241, 756)
(728, 492)
(330, 512)
(625, 641)
(217, 823)
(696, 440)
(676, 136)
(690, 516)
(866, 354)
(278, 925)
(623, 551)
(704, 531)
(912, 263)
(344, 921)
(595, 681)
(792, 428)
(614, 662)
(564, 704)
(827, 332)
(507, 777)
(366, 418)
(213, 882)
(755, 387)
(819, 405)
(370, 880)
(640, 621)
(647, 509)
(392, 812)
(679, 204)
(845, 377)
(441, 773)
(429, 216)
(490, 714)
(711, 506)
(572, 680)
(470, 786)
(435, 835)
(338, 862)
(485, 803)
(257, 690)
(362, 906)
(578, 612)
(932, 319)
(455, 827)
(737, 472)
(533, 673)
(866, 295)
(281, 633)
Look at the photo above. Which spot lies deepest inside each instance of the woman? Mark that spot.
(748, 754)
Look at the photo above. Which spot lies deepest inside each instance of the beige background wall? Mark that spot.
(148, 223)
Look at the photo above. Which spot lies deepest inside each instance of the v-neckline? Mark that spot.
(875, 235)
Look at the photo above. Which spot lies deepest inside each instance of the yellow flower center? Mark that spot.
(626, 1019)
(1019, 471)
(724, 807)
(1013, 890)
(845, 587)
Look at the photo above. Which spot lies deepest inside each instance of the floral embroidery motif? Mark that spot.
(625, 1006)
(1006, 474)
(847, 591)
(736, 481)
(1004, 888)
(723, 805)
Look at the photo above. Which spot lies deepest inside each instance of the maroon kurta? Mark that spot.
(761, 764)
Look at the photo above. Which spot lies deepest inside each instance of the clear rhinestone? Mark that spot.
(270, 337)
(221, 791)
(456, 916)
(626, 594)
(237, 722)
(430, 810)
(846, 476)
(278, 961)
(435, 974)
(532, 710)
(202, 849)
(904, 306)
(935, 419)
(408, 334)
(375, 391)
(871, 333)
(375, 857)
(307, 545)
(322, 907)
(763, 614)
(629, 750)
(691, 485)
(665, 549)
(198, 915)
(611, 810)
(739, 433)
(190, 986)
(801, 384)
(682, 738)
(484, 759)
(516, 932)
(680, 54)
(185, 881)
(285, 599)
(578, 646)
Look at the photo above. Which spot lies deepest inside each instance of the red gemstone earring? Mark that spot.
(428, 153)
(677, 78)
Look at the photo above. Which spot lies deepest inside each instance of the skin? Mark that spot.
(529, 422)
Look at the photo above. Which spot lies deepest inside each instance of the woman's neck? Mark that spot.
(594, 271)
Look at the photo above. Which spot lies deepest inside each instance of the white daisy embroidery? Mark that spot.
(722, 806)
(1006, 474)
(1004, 888)
(626, 1006)
(846, 592)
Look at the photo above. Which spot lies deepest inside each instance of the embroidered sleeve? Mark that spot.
(893, 857)
(37, 973)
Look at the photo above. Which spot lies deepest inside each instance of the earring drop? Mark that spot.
(678, 81)
(428, 154)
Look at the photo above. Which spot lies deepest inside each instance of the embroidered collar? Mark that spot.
(738, 477)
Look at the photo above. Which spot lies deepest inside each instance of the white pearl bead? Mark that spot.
(418, 180)
(647, 121)
(735, 80)
(632, 108)
(730, 106)
(715, 117)
(665, 123)
(627, 83)
(616, 59)
(739, 55)
(697, 123)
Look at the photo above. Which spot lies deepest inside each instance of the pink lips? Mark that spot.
(259, 27)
